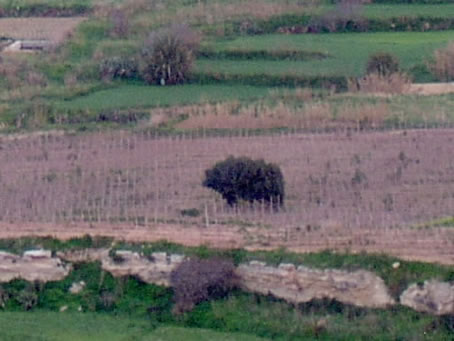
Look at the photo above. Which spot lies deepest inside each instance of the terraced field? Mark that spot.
(368, 175)
(411, 48)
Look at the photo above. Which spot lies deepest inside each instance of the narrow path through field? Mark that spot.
(431, 88)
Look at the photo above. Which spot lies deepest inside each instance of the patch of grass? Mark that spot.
(411, 48)
(34, 8)
(19, 245)
(441, 222)
(88, 34)
(54, 326)
(196, 334)
(393, 10)
(141, 96)
(262, 54)
(50, 326)
(318, 319)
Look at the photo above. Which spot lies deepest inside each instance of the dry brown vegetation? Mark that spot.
(213, 12)
(443, 64)
(314, 115)
(20, 79)
(217, 12)
(395, 83)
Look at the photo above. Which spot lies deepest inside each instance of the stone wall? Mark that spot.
(286, 281)
(301, 284)
(433, 297)
(32, 266)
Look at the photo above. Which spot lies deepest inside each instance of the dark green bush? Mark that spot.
(28, 297)
(196, 280)
(382, 63)
(245, 179)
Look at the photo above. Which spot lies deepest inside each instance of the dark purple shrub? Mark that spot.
(196, 280)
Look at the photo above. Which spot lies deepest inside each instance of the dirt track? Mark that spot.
(431, 88)
(427, 245)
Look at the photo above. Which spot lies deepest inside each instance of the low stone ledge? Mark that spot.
(83, 255)
(432, 297)
(155, 269)
(301, 284)
(296, 284)
(33, 266)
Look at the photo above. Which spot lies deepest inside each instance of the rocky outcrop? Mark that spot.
(155, 268)
(77, 287)
(37, 265)
(302, 284)
(432, 297)
(83, 255)
(296, 284)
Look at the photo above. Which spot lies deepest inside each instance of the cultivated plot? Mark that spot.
(375, 179)
(54, 30)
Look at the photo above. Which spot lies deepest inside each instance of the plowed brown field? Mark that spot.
(52, 29)
(345, 191)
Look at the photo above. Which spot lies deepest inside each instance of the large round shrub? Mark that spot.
(168, 55)
(382, 63)
(245, 179)
(196, 280)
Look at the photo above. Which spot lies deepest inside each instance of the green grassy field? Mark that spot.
(396, 10)
(412, 49)
(398, 111)
(225, 77)
(54, 326)
(142, 96)
(348, 52)
(37, 7)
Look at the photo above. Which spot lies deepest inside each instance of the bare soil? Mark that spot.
(355, 180)
(52, 29)
(356, 191)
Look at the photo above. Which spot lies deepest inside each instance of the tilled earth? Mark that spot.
(52, 29)
(374, 191)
